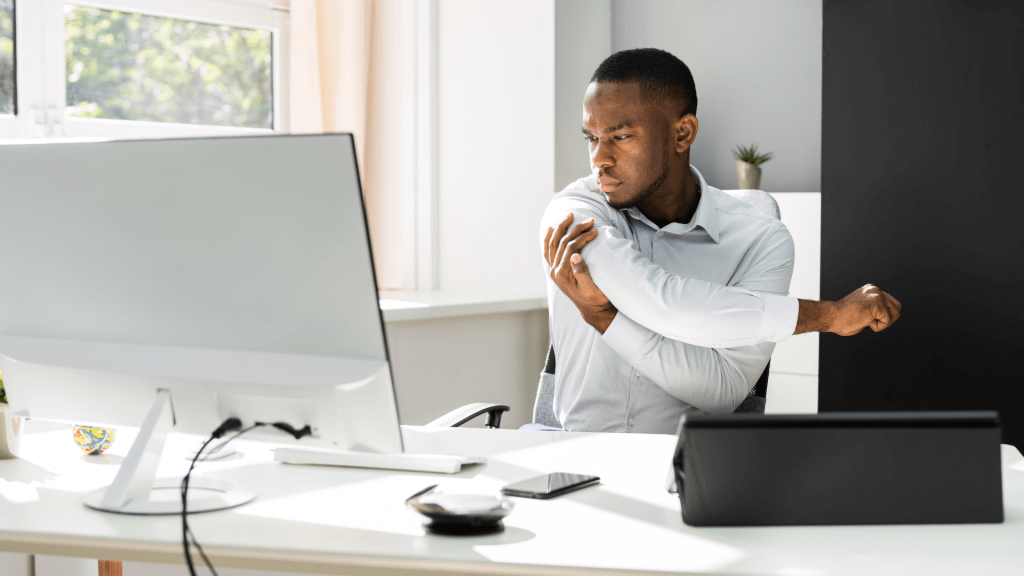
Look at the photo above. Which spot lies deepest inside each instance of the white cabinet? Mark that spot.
(793, 383)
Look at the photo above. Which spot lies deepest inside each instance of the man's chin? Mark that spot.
(620, 201)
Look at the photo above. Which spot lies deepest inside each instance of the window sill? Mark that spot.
(405, 306)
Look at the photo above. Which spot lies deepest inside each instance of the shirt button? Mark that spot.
(638, 374)
(661, 233)
(632, 421)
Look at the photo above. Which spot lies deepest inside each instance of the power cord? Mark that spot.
(229, 425)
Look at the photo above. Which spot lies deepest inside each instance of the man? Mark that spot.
(667, 295)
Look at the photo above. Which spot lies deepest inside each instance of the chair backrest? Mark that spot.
(543, 411)
(544, 406)
(759, 198)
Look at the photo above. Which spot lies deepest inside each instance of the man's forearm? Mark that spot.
(840, 317)
(815, 316)
(713, 380)
(599, 318)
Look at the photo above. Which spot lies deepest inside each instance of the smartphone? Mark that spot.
(549, 486)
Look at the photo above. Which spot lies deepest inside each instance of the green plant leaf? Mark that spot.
(750, 155)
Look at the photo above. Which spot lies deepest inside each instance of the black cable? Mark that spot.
(184, 514)
(229, 425)
(285, 427)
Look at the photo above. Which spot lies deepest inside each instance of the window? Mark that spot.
(7, 80)
(130, 66)
(142, 68)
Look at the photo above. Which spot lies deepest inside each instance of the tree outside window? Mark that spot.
(6, 56)
(136, 67)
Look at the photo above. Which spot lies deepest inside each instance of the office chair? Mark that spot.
(543, 407)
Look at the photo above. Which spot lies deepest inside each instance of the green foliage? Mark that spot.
(6, 56)
(137, 67)
(750, 155)
(3, 393)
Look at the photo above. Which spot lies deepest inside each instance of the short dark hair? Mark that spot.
(660, 74)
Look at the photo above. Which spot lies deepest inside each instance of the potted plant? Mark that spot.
(748, 166)
(11, 427)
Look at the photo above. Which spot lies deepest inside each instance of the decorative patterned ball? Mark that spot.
(93, 439)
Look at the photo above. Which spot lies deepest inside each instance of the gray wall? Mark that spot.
(757, 66)
(583, 38)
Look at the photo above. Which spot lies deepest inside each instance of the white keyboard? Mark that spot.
(443, 463)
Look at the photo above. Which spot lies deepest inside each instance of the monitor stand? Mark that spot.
(136, 490)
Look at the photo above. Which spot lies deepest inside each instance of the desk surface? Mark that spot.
(352, 521)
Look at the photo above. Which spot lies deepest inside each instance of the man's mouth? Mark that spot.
(607, 183)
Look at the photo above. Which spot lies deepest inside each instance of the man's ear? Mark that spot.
(686, 132)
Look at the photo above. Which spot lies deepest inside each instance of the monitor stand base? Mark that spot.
(204, 495)
(136, 490)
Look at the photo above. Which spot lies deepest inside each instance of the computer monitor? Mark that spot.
(185, 281)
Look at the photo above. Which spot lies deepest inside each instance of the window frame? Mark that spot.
(41, 67)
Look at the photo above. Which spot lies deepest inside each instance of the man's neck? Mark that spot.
(676, 203)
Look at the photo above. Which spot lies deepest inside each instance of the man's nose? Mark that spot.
(601, 156)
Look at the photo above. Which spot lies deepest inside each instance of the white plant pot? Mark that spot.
(11, 430)
(748, 175)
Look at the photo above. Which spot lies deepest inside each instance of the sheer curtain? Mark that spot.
(353, 70)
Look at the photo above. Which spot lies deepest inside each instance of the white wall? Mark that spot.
(495, 141)
(793, 383)
(442, 364)
(757, 66)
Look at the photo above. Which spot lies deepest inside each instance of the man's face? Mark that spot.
(630, 142)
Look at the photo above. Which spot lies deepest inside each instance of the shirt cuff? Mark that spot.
(780, 315)
(625, 336)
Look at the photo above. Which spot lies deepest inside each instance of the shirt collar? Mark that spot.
(706, 215)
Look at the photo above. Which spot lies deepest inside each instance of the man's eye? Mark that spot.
(589, 138)
(622, 137)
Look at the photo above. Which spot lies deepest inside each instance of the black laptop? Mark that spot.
(839, 468)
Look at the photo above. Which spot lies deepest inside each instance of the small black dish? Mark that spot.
(460, 514)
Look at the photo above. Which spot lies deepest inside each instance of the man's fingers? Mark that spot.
(547, 249)
(563, 261)
(556, 237)
(561, 270)
(890, 305)
(894, 303)
(580, 270)
(572, 235)
(575, 246)
(884, 311)
(578, 265)
(879, 310)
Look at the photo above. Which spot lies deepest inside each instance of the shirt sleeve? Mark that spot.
(712, 379)
(684, 309)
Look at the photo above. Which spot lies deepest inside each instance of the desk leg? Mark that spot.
(110, 568)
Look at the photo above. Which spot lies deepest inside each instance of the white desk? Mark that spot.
(354, 522)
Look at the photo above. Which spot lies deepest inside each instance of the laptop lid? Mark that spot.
(840, 468)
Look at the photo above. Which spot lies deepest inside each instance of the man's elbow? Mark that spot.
(731, 391)
(726, 404)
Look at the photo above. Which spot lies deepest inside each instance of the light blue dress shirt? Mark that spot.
(700, 307)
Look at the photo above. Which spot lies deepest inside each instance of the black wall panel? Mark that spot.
(923, 195)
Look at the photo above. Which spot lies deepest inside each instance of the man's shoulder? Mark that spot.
(584, 197)
(586, 188)
(743, 213)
